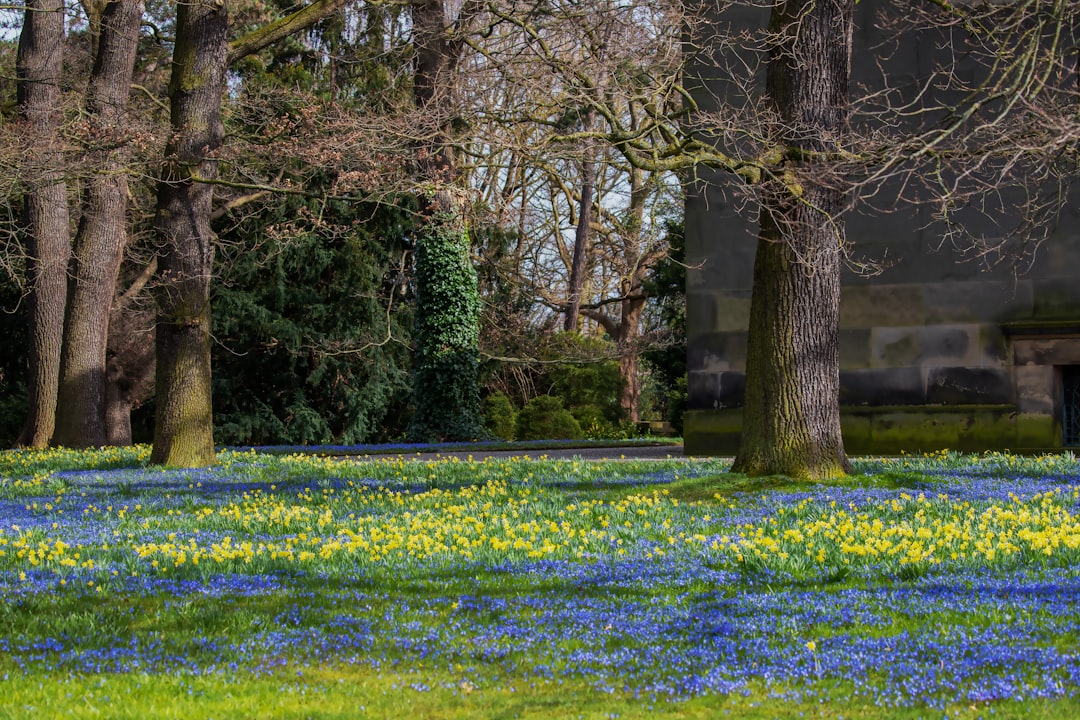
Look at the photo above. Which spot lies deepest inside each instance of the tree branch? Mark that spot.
(136, 286)
(267, 35)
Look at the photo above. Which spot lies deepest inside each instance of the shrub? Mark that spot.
(500, 417)
(594, 424)
(595, 384)
(545, 418)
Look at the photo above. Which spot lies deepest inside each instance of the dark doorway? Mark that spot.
(1070, 407)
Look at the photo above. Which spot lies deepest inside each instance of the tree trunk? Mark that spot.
(129, 359)
(117, 418)
(791, 419)
(446, 360)
(45, 210)
(183, 428)
(129, 370)
(101, 237)
(581, 236)
(627, 343)
(183, 425)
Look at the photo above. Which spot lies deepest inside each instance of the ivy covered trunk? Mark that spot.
(445, 359)
(791, 419)
(45, 209)
(183, 428)
(446, 387)
(102, 233)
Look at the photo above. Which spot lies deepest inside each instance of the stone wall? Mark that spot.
(936, 351)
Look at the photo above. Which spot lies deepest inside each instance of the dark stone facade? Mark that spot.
(936, 351)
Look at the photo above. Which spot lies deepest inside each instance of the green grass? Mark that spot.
(596, 628)
(329, 694)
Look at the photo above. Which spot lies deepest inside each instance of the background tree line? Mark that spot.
(429, 166)
(318, 205)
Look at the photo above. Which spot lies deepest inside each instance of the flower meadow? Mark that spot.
(303, 586)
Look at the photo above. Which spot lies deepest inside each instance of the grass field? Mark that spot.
(281, 586)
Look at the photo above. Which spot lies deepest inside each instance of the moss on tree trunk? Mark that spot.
(183, 428)
(183, 431)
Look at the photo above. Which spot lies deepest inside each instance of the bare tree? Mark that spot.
(183, 429)
(791, 420)
(45, 218)
(559, 72)
(103, 226)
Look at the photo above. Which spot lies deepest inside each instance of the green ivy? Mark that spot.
(447, 334)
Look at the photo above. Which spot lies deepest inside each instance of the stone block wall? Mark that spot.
(936, 351)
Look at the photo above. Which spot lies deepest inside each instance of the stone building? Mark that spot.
(935, 351)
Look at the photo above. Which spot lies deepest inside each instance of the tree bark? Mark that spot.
(129, 359)
(581, 235)
(183, 427)
(446, 360)
(630, 333)
(791, 419)
(45, 210)
(117, 418)
(102, 233)
(129, 370)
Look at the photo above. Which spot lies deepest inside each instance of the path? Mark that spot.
(648, 452)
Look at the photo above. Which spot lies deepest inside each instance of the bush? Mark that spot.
(545, 418)
(500, 417)
(594, 384)
(596, 426)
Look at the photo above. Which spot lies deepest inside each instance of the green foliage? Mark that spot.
(500, 417)
(594, 385)
(447, 334)
(576, 370)
(545, 418)
(358, 64)
(312, 306)
(588, 379)
(312, 330)
(8, 50)
(596, 425)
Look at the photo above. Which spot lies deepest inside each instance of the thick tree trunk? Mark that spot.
(45, 209)
(117, 418)
(446, 361)
(183, 429)
(129, 371)
(102, 233)
(791, 419)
